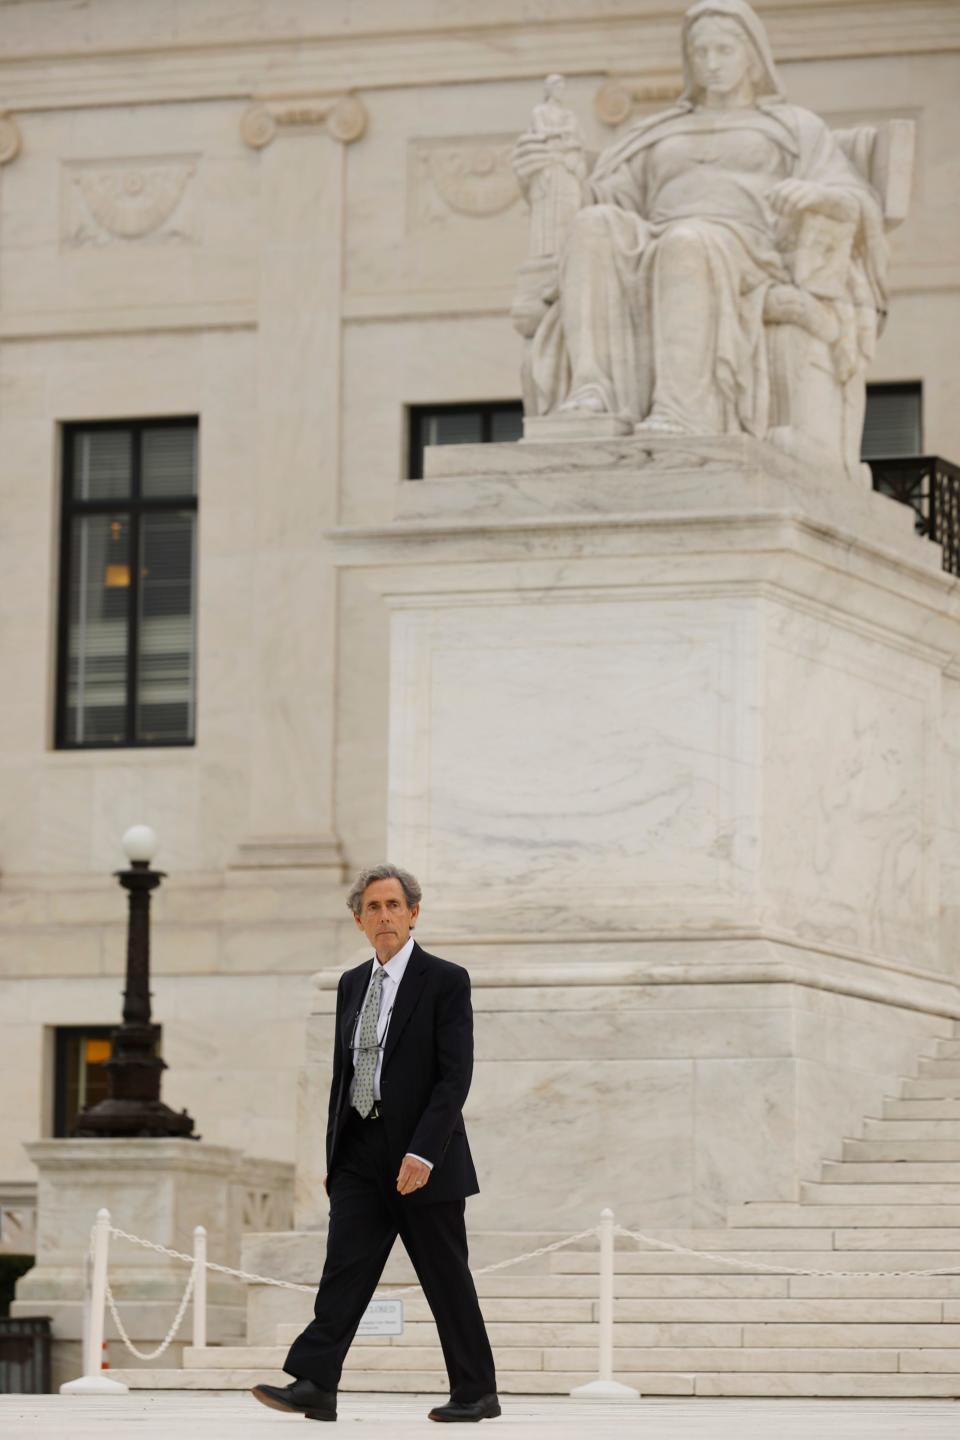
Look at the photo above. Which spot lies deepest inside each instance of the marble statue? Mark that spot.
(556, 188)
(724, 269)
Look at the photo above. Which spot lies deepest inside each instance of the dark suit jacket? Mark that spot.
(427, 1066)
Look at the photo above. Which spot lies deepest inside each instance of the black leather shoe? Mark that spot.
(486, 1408)
(300, 1398)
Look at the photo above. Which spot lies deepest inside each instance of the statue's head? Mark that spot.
(554, 87)
(725, 49)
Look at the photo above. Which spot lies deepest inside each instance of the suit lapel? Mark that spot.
(411, 987)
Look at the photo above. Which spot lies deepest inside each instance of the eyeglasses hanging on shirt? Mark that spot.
(382, 1027)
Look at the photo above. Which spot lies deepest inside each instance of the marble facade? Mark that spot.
(740, 677)
(325, 245)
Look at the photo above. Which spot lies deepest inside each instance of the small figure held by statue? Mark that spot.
(556, 190)
(719, 271)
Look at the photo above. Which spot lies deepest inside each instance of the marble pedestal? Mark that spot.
(674, 753)
(160, 1190)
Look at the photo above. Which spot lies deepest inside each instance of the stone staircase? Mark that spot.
(687, 1326)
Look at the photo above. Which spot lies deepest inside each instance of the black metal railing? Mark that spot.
(930, 485)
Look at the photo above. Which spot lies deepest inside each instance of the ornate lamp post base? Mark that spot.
(115, 1118)
(133, 1106)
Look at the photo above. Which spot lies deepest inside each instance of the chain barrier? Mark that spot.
(177, 1319)
(754, 1265)
(504, 1264)
(637, 1235)
(311, 1289)
(168, 1338)
(210, 1264)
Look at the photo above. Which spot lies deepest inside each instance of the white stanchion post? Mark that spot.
(93, 1381)
(200, 1287)
(88, 1368)
(605, 1387)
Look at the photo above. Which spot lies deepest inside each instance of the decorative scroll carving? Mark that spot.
(344, 117)
(257, 127)
(9, 138)
(470, 176)
(131, 199)
(617, 99)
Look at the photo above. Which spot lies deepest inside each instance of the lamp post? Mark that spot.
(133, 1105)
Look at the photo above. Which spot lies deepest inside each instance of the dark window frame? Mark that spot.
(913, 388)
(136, 506)
(417, 414)
(62, 1036)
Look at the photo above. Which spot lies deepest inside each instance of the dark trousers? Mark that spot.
(366, 1216)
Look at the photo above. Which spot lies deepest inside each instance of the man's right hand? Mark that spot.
(325, 1185)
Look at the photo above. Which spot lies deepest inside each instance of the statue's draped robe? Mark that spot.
(663, 278)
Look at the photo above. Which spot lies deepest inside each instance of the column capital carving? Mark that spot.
(344, 117)
(619, 95)
(10, 140)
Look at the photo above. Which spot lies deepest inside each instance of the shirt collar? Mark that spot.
(395, 966)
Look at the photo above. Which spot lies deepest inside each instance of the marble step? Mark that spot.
(386, 1356)
(746, 1237)
(581, 1358)
(945, 1129)
(930, 1108)
(886, 1172)
(635, 1286)
(701, 1311)
(879, 1287)
(948, 1049)
(747, 1329)
(898, 1149)
(739, 1285)
(740, 1359)
(651, 1335)
(526, 1308)
(796, 1309)
(856, 1384)
(946, 1066)
(814, 1193)
(735, 1285)
(411, 1382)
(929, 1087)
(927, 1251)
(906, 1219)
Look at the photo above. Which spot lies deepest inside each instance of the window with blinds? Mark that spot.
(479, 424)
(893, 423)
(127, 650)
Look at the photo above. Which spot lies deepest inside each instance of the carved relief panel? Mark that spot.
(469, 176)
(149, 200)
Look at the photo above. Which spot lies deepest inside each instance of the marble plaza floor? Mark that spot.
(150, 1415)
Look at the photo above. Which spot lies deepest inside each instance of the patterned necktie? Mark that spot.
(365, 1061)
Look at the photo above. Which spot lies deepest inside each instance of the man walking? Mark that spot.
(398, 1162)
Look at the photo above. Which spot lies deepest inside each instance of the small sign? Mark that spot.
(382, 1317)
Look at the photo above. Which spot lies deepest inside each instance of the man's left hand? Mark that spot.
(413, 1175)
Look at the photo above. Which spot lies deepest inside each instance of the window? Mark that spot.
(893, 422)
(461, 425)
(79, 1075)
(126, 663)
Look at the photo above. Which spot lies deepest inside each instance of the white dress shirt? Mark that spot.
(392, 975)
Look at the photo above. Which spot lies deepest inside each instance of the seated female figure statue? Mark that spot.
(727, 210)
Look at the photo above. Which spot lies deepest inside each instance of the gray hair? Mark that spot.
(408, 884)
